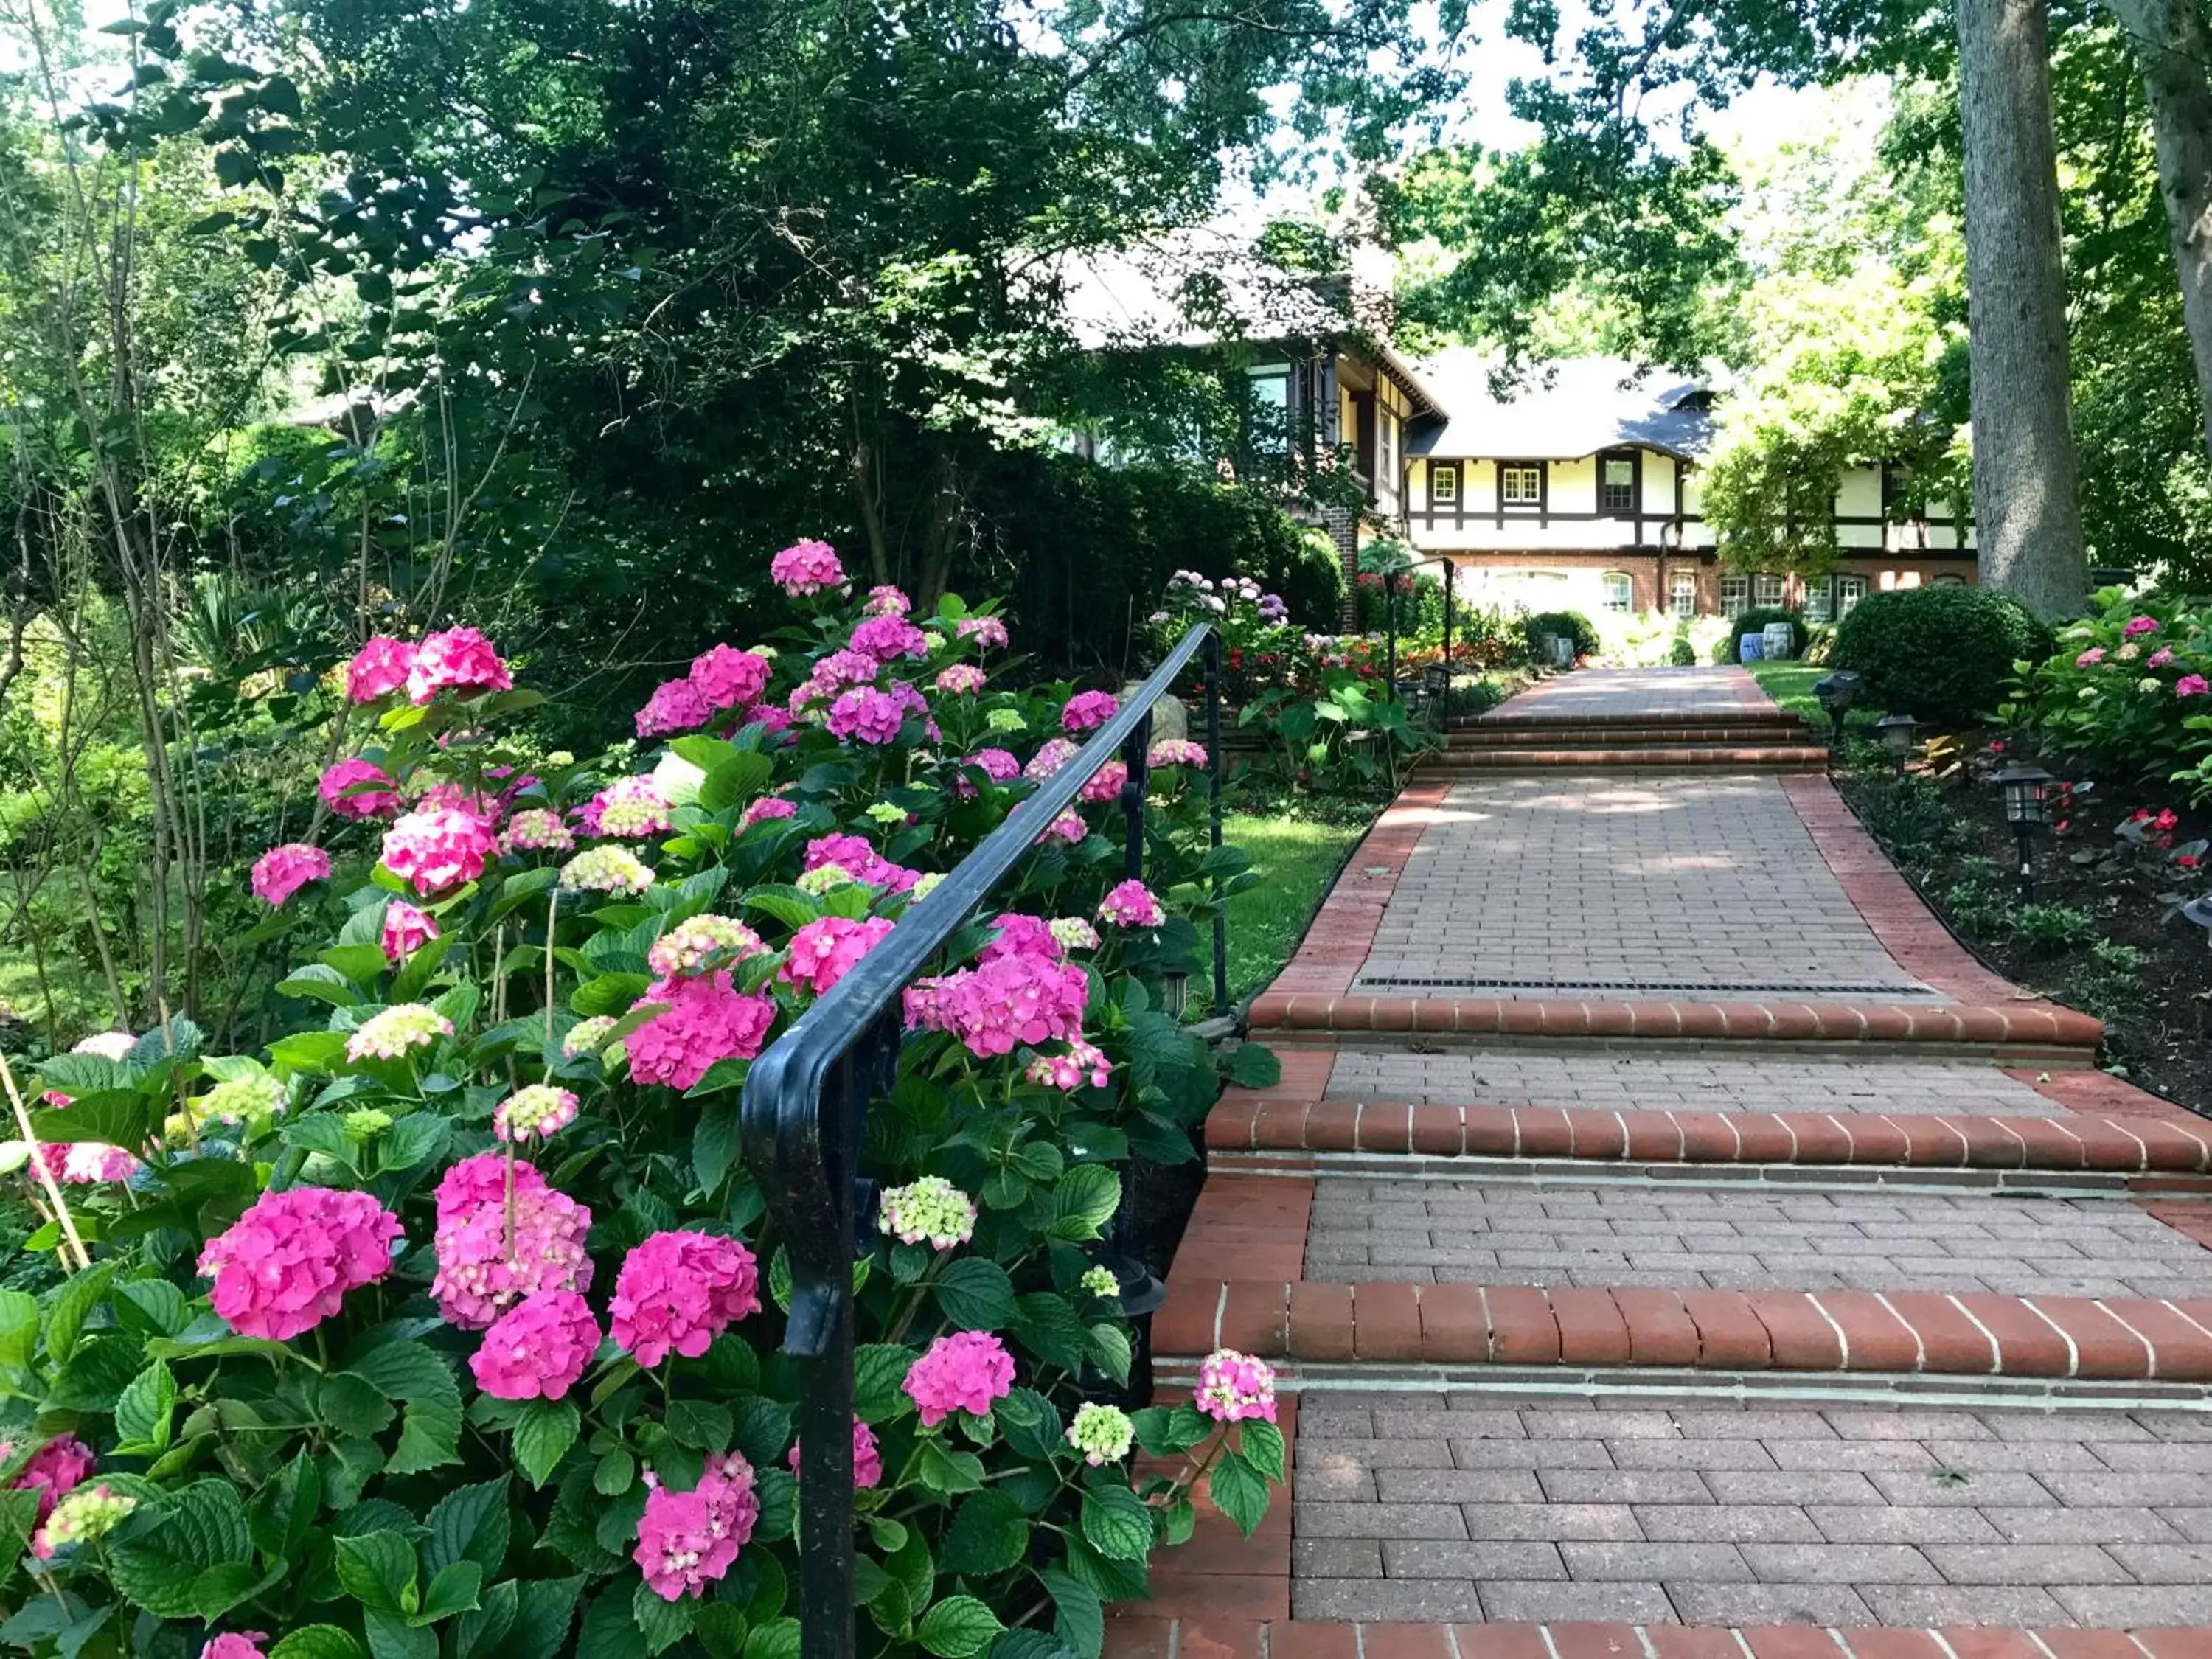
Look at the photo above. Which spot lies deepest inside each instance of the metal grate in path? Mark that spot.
(1759, 988)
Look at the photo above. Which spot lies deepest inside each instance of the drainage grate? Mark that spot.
(1366, 982)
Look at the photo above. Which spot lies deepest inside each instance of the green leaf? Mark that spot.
(700, 1423)
(610, 1629)
(454, 1589)
(1080, 1619)
(786, 904)
(878, 1368)
(662, 1622)
(713, 1145)
(152, 1306)
(307, 1051)
(72, 1304)
(121, 1119)
(945, 1471)
(157, 1562)
(974, 1295)
(776, 1640)
(377, 1569)
(989, 1533)
(475, 1634)
(1260, 1444)
(1238, 1492)
(1110, 1350)
(142, 1414)
(1253, 1065)
(281, 1517)
(1117, 1523)
(361, 963)
(740, 777)
(323, 983)
(1048, 1327)
(957, 1627)
(609, 994)
(544, 1610)
(414, 975)
(543, 1432)
(408, 1374)
(762, 1428)
(413, 1139)
(615, 1473)
(316, 1642)
(469, 1524)
(19, 1328)
(391, 1637)
(1083, 1201)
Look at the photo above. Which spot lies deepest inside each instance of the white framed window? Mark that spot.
(1767, 590)
(1849, 590)
(1948, 581)
(1387, 427)
(1735, 595)
(1443, 483)
(1682, 593)
(1819, 600)
(1619, 591)
(1616, 484)
(1520, 485)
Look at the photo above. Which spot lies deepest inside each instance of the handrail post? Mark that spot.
(1214, 768)
(1390, 625)
(1450, 570)
(1136, 761)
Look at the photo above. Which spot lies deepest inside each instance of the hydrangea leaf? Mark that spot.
(989, 1533)
(1238, 1492)
(409, 1375)
(543, 1432)
(1117, 1523)
(469, 1524)
(958, 1627)
(316, 1642)
(660, 1622)
(974, 1295)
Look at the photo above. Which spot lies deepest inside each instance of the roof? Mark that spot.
(1196, 287)
(1566, 409)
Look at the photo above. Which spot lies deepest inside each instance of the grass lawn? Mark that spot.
(1297, 859)
(1790, 684)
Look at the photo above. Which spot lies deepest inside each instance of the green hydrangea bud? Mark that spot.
(821, 878)
(587, 1036)
(1101, 1434)
(884, 812)
(1005, 720)
(89, 1512)
(365, 1123)
(1100, 1281)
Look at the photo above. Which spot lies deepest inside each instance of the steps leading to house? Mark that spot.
(1732, 758)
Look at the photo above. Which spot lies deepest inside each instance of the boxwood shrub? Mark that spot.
(1754, 622)
(1938, 654)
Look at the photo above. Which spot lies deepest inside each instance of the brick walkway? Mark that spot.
(1705, 1259)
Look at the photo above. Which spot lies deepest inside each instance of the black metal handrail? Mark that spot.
(807, 1097)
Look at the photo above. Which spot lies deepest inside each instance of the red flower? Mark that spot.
(2188, 861)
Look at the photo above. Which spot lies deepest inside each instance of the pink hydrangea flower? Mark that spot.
(537, 1111)
(1086, 711)
(108, 1045)
(871, 716)
(868, 1458)
(853, 855)
(406, 930)
(481, 1270)
(825, 951)
(349, 775)
(986, 631)
(1070, 1070)
(1068, 827)
(1020, 935)
(235, 1644)
(538, 830)
(691, 944)
(997, 764)
(806, 567)
(887, 601)
(284, 1265)
(2190, 685)
(842, 667)
(1131, 904)
(457, 659)
(1234, 1386)
(2090, 658)
(88, 1163)
(677, 1292)
(965, 1371)
(687, 1540)
(1048, 759)
(726, 677)
(962, 679)
(2138, 626)
(2159, 657)
(1175, 752)
(767, 807)
(284, 870)
(537, 1349)
(486, 809)
(675, 705)
(1105, 784)
(54, 1470)
(997, 1006)
(707, 1019)
(887, 639)
(438, 849)
(378, 669)
(628, 809)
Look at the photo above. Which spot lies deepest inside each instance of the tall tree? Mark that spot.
(2027, 504)
(2174, 48)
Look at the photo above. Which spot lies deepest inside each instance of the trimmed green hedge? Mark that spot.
(1943, 654)
(1568, 624)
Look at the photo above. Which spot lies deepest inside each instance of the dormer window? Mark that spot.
(1616, 483)
(1519, 484)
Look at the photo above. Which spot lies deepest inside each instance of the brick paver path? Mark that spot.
(1553, 885)
(1466, 1507)
(1684, 1083)
(1660, 1221)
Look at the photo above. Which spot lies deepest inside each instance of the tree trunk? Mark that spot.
(2175, 49)
(2027, 507)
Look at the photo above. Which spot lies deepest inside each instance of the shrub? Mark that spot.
(1567, 625)
(1913, 821)
(2125, 690)
(1682, 653)
(1943, 654)
(1755, 622)
(524, 1011)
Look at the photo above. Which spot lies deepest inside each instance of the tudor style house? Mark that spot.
(1581, 492)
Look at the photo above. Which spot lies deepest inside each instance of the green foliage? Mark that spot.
(1943, 654)
(1681, 653)
(2120, 693)
(1563, 624)
(350, 1478)
(1914, 822)
(1755, 622)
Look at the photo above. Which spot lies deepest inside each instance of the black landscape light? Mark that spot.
(1175, 993)
(1896, 733)
(2027, 806)
(1836, 693)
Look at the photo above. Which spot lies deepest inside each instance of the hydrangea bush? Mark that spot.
(447, 1327)
(2129, 689)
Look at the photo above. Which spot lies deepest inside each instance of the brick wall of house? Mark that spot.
(1652, 575)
